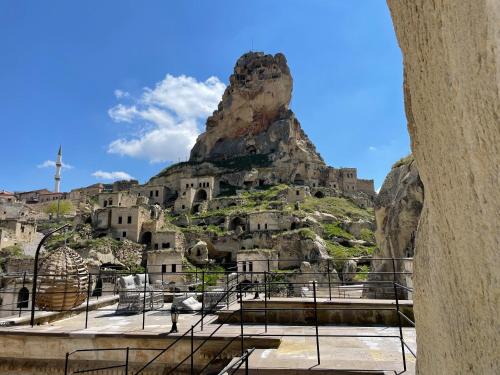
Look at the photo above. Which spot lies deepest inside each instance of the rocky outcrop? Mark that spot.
(397, 211)
(451, 54)
(198, 254)
(299, 245)
(254, 139)
(253, 116)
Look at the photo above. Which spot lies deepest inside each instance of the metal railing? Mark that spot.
(271, 282)
(125, 365)
(269, 286)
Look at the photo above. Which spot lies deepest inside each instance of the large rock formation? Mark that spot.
(253, 116)
(451, 54)
(253, 138)
(397, 212)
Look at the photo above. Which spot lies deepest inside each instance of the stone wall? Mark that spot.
(452, 94)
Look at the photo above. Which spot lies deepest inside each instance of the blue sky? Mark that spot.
(86, 74)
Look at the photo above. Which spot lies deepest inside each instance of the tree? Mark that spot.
(65, 207)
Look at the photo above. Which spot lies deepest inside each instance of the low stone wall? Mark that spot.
(349, 312)
(44, 352)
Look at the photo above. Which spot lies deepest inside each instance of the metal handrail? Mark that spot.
(238, 363)
(268, 284)
(184, 334)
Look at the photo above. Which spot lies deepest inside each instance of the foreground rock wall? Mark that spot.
(452, 73)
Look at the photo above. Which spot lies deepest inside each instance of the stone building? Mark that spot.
(167, 239)
(194, 193)
(83, 193)
(155, 193)
(7, 196)
(15, 210)
(298, 194)
(14, 232)
(253, 263)
(32, 196)
(267, 221)
(51, 196)
(165, 266)
(118, 198)
(124, 222)
(15, 295)
(19, 266)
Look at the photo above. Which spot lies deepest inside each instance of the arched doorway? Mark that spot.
(298, 180)
(319, 194)
(146, 239)
(201, 195)
(251, 150)
(23, 298)
(237, 222)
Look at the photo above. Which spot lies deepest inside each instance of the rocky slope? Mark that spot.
(315, 230)
(397, 211)
(451, 53)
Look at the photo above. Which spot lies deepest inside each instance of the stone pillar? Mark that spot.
(452, 85)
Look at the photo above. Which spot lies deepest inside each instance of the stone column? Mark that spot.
(452, 85)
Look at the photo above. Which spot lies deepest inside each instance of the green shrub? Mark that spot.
(64, 207)
(341, 254)
(11, 251)
(334, 230)
(367, 235)
(337, 206)
(307, 233)
(362, 273)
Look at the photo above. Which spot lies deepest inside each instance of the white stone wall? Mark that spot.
(297, 194)
(164, 264)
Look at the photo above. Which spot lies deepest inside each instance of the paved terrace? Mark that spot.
(297, 352)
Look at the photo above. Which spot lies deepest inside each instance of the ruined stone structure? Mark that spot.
(118, 198)
(194, 193)
(81, 194)
(451, 54)
(14, 232)
(298, 194)
(136, 222)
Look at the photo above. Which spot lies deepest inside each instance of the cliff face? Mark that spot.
(397, 211)
(253, 116)
(451, 55)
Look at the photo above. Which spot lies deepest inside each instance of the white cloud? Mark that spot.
(372, 148)
(167, 118)
(121, 94)
(117, 175)
(52, 164)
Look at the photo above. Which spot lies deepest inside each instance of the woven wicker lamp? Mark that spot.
(63, 280)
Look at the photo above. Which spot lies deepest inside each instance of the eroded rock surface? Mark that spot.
(254, 139)
(253, 116)
(451, 53)
(397, 212)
